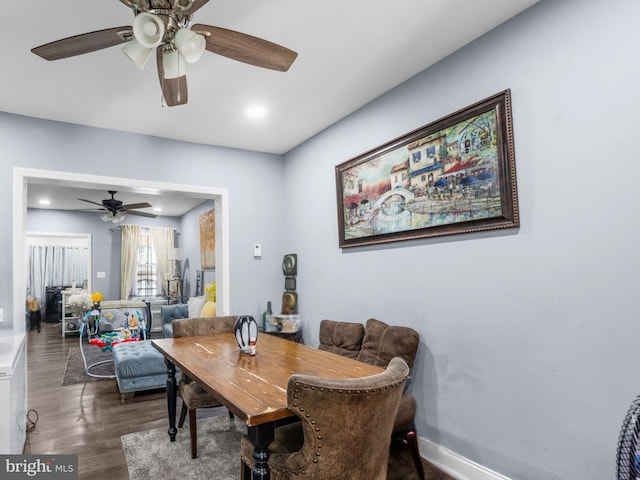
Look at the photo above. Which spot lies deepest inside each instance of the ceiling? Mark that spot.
(348, 54)
(65, 197)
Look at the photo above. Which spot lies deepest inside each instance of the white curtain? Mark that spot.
(129, 253)
(162, 239)
(52, 266)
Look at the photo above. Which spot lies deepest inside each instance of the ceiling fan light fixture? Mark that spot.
(118, 217)
(137, 53)
(173, 63)
(190, 44)
(106, 217)
(148, 29)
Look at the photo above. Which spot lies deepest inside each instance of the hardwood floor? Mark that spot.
(85, 419)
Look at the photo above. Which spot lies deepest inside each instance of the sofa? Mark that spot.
(196, 307)
(169, 313)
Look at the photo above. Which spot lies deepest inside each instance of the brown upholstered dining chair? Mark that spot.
(346, 428)
(380, 344)
(342, 338)
(376, 344)
(193, 395)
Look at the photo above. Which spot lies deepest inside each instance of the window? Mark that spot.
(146, 274)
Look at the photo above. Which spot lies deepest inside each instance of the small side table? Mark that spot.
(292, 336)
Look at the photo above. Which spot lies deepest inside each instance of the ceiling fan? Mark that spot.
(115, 210)
(166, 26)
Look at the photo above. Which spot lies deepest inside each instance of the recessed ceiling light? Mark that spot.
(256, 111)
(44, 201)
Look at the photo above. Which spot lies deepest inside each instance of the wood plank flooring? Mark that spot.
(85, 419)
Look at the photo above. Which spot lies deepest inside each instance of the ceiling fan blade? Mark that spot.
(134, 206)
(174, 90)
(91, 201)
(140, 214)
(246, 48)
(84, 43)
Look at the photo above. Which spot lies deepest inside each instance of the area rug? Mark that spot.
(74, 371)
(150, 455)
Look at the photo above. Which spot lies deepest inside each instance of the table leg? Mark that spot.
(261, 436)
(171, 398)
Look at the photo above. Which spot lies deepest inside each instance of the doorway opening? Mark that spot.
(25, 178)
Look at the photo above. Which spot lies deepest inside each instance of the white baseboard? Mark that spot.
(455, 465)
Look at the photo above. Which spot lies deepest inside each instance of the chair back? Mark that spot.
(342, 338)
(191, 327)
(346, 423)
(383, 342)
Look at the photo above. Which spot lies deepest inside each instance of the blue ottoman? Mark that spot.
(138, 367)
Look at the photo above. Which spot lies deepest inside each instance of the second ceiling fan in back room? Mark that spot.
(165, 25)
(114, 210)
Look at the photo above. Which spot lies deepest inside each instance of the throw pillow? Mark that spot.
(209, 309)
(195, 304)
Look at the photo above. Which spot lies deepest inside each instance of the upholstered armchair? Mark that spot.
(377, 344)
(346, 427)
(193, 395)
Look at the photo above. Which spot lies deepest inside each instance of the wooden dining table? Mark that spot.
(252, 387)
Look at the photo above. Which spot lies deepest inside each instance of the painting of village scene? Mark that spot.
(436, 184)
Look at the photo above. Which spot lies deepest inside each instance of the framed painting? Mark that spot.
(208, 240)
(455, 175)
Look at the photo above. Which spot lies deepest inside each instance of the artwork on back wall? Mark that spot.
(454, 175)
(208, 239)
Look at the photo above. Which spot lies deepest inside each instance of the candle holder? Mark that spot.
(246, 332)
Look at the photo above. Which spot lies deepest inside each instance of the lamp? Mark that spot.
(190, 44)
(137, 53)
(111, 217)
(175, 255)
(172, 62)
(148, 29)
(148, 32)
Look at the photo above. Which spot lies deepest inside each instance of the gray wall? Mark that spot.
(527, 362)
(255, 182)
(190, 243)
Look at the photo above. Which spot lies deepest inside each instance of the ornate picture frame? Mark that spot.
(455, 175)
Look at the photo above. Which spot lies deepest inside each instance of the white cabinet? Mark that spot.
(71, 317)
(13, 395)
